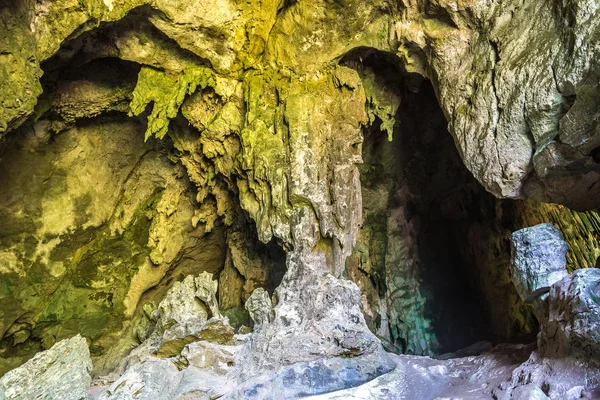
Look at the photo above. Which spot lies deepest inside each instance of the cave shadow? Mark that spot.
(431, 204)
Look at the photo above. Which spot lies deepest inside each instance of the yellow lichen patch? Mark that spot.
(57, 269)
(9, 263)
(44, 248)
(58, 214)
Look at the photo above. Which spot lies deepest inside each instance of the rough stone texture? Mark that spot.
(319, 323)
(565, 365)
(472, 378)
(99, 220)
(96, 88)
(271, 122)
(573, 317)
(210, 355)
(509, 106)
(581, 230)
(45, 227)
(324, 375)
(95, 222)
(569, 333)
(518, 91)
(418, 291)
(19, 68)
(61, 372)
(313, 206)
(165, 379)
(488, 254)
(434, 248)
(259, 307)
(189, 352)
(556, 378)
(150, 379)
(188, 313)
(538, 258)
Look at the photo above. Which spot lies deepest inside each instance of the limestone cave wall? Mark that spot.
(363, 162)
(96, 227)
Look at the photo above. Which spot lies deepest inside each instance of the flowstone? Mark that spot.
(315, 333)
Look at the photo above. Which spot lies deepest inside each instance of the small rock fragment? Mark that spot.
(259, 306)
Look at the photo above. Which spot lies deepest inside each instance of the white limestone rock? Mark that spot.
(260, 307)
(573, 325)
(538, 258)
(62, 372)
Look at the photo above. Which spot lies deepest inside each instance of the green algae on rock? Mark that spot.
(167, 93)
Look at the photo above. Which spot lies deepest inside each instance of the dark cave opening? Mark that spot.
(421, 291)
(433, 256)
(446, 200)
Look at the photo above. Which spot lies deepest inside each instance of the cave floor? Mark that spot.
(418, 377)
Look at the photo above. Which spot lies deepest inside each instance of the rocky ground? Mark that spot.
(193, 353)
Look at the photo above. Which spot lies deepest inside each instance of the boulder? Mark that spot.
(538, 258)
(573, 325)
(61, 372)
(260, 307)
(188, 354)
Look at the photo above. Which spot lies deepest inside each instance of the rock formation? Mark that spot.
(538, 259)
(342, 179)
(61, 372)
